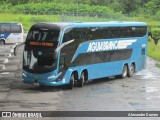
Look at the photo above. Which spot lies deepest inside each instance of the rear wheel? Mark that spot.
(2, 42)
(71, 83)
(124, 72)
(131, 70)
(81, 80)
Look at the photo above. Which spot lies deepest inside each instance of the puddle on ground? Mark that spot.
(151, 89)
(153, 97)
(147, 75)
(6, 73)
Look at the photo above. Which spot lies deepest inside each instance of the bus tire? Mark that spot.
(81, 80)
(2, 42)
(131, 70)
(124, 72)
(71, 82)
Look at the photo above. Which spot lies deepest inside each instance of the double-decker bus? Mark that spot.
(11, 32)
(72, 53)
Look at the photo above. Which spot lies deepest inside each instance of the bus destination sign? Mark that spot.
(45, 44)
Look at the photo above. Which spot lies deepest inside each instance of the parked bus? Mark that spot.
(11, 33)
(72, 53)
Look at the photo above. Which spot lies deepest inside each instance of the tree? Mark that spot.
(155, 35)
(16, 2)
(152, 7)
(128, 6)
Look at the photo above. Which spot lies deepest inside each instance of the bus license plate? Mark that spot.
(36, 84)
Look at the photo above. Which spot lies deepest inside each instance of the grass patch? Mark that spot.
(28, 20)
(158, 65)
(154, 50)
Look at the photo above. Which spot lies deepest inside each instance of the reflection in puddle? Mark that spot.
(153, 97)
(147, 75)
(151, 89)
(6, 73)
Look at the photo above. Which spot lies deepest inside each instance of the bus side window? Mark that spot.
(16, 29)
(68, 36)
(89, 34)
(106, 33)
(80, 35)
(5, 28)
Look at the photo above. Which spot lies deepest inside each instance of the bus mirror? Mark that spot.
(61, 46)
(16, 48)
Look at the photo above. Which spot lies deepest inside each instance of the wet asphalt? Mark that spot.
(138, 93)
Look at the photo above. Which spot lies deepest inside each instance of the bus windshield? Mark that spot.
(38, 56)
(43, 35)
(37, 63)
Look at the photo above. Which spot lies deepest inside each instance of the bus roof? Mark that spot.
(61, 25)
(10, 23)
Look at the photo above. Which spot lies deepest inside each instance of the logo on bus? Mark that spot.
(109, 45)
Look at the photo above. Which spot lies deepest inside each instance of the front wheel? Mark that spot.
(124, 72)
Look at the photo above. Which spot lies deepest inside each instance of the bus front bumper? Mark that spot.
(35, 79)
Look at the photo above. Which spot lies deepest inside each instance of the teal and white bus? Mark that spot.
(72, 53)
(11, 33)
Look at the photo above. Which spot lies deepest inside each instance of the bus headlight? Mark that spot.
(53, 76)
(24, 74)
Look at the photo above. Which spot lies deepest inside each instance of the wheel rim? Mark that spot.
(72, 81)
(82, 78)
(132, 69)
(125, 71)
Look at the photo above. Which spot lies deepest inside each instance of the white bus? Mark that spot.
(11, 33)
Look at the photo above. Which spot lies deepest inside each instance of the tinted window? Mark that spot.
(101, 57)
(43, 35)
(95, 33)
(16, 29)
(11, 28)
(119, 32)
(69, 35)
(4, 28)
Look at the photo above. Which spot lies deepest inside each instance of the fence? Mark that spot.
(64, 17)
(36, 17)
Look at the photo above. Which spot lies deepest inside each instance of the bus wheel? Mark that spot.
(2, 42)
(71, 83)
(81, 80)
(131, 70)
(124, 72)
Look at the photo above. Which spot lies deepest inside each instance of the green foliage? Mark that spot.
(155, 34)
(146, 8)
(158, 65)
(55, 8)
(152, 6)
(5, 7)
(157, 16)
(153, 50)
